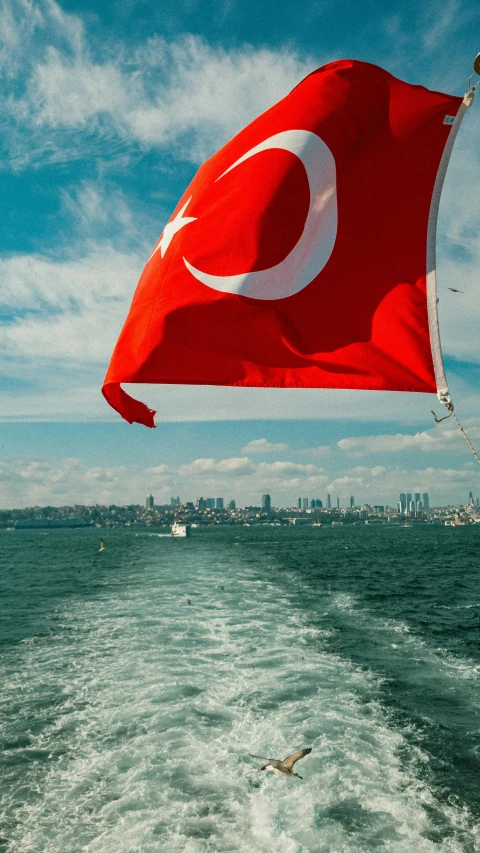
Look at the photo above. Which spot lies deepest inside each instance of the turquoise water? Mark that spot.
(127, 714)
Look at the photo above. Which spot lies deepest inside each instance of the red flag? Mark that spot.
(297, 255)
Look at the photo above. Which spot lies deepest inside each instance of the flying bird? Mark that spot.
(284, 768)
(454, 290)
(102, 545)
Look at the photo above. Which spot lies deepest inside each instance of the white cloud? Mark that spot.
(288, 469)
(42, 481)
(183, 92)
(69, 310)
(234, 466)
(383, 485)
(27, 482)
(343, 485)
(261, 445)
(438, 439)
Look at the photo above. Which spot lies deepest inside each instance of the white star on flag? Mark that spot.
(171, 229)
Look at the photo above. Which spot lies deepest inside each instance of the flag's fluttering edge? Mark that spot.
(297, 257)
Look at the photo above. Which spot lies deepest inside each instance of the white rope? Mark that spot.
(451, 409)
(477, 457)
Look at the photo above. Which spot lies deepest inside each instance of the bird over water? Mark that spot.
(284, 768)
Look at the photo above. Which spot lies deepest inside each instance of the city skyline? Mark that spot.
(266, 505)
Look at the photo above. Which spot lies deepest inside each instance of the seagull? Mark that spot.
(102, 545)
(284, 768)
(454, 290)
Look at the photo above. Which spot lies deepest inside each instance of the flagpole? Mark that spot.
(432, 300)
(440, 378)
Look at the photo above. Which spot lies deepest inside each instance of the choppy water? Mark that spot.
(127, 715)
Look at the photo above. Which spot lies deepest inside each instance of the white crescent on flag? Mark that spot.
(312, 251)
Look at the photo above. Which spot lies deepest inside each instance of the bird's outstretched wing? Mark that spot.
(296, 756)
(454, 290)
(261, 757)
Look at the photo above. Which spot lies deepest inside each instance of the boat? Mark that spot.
(179, 528)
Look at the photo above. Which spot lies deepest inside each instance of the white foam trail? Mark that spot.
(146, 708)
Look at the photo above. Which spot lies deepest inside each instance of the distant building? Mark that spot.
(411, 507)
(174, 501)
(352, 501)
(219, 503)
(299, 503)
(400, 507)
(419, 508)
(338, 503)
(305, 503)
(209, 503)
(417, 497)
(471, 502)
(426, 501)
(403, 502)
(319, 503)
(232, 505)
(408, 499)
(266, 503)
(329, 502)
(150, 502)
(201, 503)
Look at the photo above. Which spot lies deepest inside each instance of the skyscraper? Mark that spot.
(210, 503)
(305, 503)
(266, 503)
(329, 502)
(426, 501)
(417, 497)
(409, 498)
(150, 502)
(299, 503)
(232, 505)
(352, 501)
(403, 501)
(338, 503)
(219, 503)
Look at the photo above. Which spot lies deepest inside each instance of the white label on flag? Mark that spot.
(449, 119)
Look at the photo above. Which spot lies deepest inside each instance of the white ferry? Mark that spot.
(180, 529)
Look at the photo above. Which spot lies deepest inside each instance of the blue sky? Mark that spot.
(107, 111)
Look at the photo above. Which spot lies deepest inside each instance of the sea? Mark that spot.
(136, 682)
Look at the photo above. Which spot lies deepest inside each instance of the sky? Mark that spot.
(108, 108)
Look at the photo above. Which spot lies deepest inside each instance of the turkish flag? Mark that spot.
(297, 255)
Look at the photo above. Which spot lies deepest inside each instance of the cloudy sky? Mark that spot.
(108, 108)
